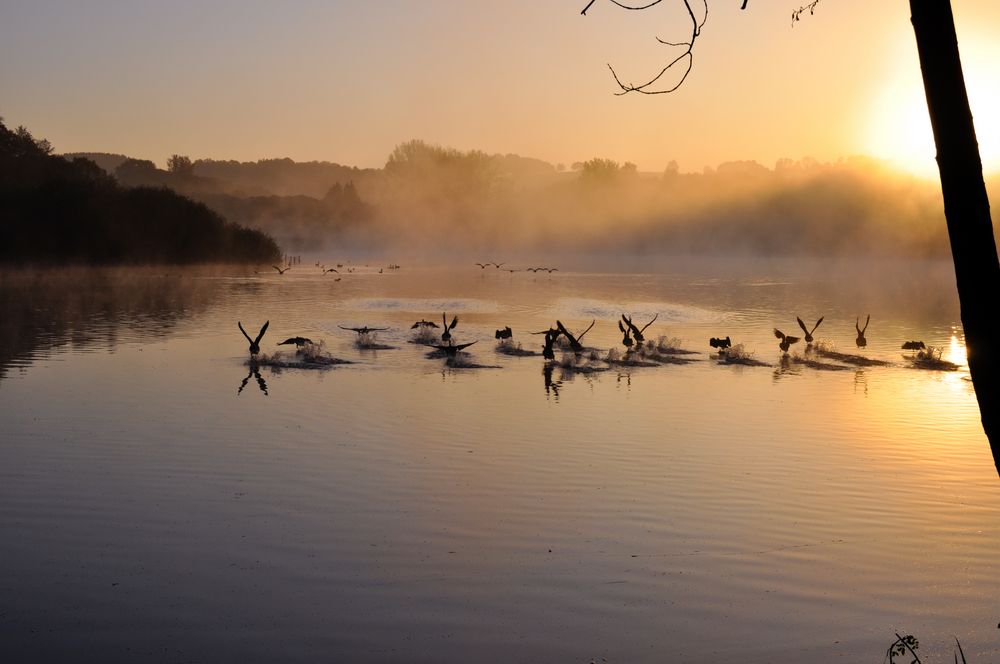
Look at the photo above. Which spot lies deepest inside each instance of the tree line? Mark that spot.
(59, 211)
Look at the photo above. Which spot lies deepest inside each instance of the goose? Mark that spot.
(637, 332)
(574, 342)
(254, 343)
(423, 323)
(446, 335)
(626, 339)
(332, 269)
(809, 333)
(363, 330)
(914, 345)
(548, 352)
(451, 350)
(482, 266)
(786, 341)
(505, 333)
(498, 265)
(297, 341)
(280, 271)
(861, 341)
(721, 344)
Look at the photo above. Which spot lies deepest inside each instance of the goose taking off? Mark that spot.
(446, 335)
(254, 343)
(548, 352)
(636, 331)
(451, 350)
(721, 344)
(809, 333)
(861, 341)
(280, 271)
(574, 342)
(914, 345)
(505, 333)
(330, 270)
(626, 339)
(297, 341)
(423, 323)
(363, 330)
(786, 341)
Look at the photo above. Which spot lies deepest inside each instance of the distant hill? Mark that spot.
(57, 210)
(106, 160)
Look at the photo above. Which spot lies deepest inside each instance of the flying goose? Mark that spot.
(636, 331)
(297, 341)
(451, 350)
(280, 271)
(446, 335)
(786, 341)
(861, 341)
(809, 333)
(254, 343)
(363, 330)
(574, 342)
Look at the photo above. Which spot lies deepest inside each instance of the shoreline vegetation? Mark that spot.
(59, 211)
(434, 202)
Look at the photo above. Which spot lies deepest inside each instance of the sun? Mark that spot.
(899, 128)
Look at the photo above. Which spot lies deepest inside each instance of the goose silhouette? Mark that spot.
(254, 343)
(363, 330)
(423, 323)
(861, 341)
(914, 345)
(721, 344)
(451, 350)
(297, 341)
(636, 331)
(574, 342)
(280, 271)
(626, 339)
(786, 341)
(548, 350)
(446, 335)
(809, 333)
(505, 333)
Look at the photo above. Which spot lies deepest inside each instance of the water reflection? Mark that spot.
(92, 309)
(254, 372)
(551, 386)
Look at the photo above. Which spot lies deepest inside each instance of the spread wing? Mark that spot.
(587, 330)
(454, 322)
(649, 323)
(244, 332)
(791, 340)
(802, 325)
(778, 333)
(262, 331)
(817, 324)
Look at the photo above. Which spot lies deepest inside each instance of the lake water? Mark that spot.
(158, 505)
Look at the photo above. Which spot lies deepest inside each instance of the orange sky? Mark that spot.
(346, 81)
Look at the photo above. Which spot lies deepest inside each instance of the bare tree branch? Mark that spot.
(684, 61)
(811, 8)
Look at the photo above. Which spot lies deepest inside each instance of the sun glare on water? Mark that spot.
(899, 130)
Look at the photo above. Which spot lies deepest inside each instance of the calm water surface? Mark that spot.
(396, 509)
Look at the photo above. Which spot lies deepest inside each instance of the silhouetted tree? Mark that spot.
(967, 210)
(55, 210)
(180, 165)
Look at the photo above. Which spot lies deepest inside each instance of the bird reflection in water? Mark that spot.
(551, 386)
(254, 373)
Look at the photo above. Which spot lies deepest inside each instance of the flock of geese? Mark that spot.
(633, 336)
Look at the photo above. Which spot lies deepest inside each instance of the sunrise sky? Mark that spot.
(347, 81)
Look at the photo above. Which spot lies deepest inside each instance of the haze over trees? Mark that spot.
(431, 201)
(56, 210)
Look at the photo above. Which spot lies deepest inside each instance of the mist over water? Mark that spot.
(159, 500)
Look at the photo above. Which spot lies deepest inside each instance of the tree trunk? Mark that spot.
(966, 207)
